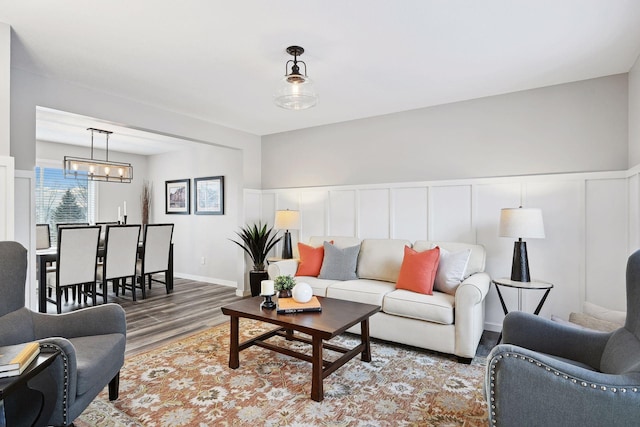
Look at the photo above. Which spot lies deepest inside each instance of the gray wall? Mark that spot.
(580, 126)
(29, 91)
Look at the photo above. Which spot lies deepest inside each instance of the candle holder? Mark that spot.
(268, 303)
(125, 219)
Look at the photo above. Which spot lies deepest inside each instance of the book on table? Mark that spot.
(289, 305)
(14, 359)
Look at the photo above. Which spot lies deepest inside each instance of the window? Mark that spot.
(63, 200)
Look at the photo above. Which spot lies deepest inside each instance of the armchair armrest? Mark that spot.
(287, 267)
(527, 388)
(99, 320)
(546, 336)
(64, 369)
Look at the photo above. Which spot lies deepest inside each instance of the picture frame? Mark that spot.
(177, 197)
(209, 195)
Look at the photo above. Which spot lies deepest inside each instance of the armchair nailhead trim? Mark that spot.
(493, 363)
(65, 388)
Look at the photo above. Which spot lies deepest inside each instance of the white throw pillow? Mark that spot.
(451, 270)
(602, 313)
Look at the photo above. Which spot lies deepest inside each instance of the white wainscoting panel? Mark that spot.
(6, 198)
(490, 198)
(606, 242)
(342, 213)
(634, 213)
(410, 213)
(559, 257)
(253, 205)
(373, 213)
(313, 214)
(450, 214)
(25, 216)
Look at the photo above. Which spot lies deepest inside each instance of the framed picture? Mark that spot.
(177, 197)
(209, 194)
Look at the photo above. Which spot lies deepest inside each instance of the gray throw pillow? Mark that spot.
(339, 264)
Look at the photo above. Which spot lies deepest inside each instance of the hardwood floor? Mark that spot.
(160, 318)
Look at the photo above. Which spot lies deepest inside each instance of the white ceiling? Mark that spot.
(220, 60)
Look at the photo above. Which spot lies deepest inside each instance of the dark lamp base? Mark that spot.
(287, 252)
(520, 265)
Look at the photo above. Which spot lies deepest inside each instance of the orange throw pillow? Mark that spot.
(310, 260)
(418, 270)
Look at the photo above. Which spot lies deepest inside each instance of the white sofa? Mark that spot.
(441, 322)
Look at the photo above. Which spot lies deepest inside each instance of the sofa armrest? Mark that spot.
(472, 290)
(524, 387)
(287, 267)
(469, 313)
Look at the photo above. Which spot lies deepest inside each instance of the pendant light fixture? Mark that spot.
(98, 170)
(295, 91)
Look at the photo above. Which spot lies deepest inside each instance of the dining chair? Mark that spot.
(43, 241)
(156, 247)
(120, 256)
(76, 261)
(43, 238)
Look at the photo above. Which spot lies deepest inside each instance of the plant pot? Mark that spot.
(255, 281)
(284, 293)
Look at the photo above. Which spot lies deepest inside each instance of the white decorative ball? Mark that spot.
(302, 292)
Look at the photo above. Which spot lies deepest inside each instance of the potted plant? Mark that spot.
(257, 240)
(284, 284)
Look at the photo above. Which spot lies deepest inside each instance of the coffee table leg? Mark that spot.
(364, 337)
(317, 392)
(234, 353)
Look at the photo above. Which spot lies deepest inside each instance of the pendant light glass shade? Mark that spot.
(295, 91)
(297, 95)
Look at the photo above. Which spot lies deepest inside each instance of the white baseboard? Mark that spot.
(205, 279)
(493, 327)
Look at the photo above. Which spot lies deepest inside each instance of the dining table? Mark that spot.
(44, 256)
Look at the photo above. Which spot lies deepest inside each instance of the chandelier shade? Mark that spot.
(295, 91)
(98, 170)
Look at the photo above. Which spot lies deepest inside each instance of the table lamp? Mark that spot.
(287, 220)
(521, 223)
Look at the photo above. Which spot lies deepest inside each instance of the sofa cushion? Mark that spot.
(339, 264)
(319, 286)
(476, 259)
(418, 270)
(365, 291)
(381, 259)
(438, 308)
(451, 269)
(310, 260)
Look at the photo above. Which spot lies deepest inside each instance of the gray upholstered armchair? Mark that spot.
(91, 341)
(548, 374)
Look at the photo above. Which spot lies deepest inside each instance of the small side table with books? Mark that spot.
(28, 393)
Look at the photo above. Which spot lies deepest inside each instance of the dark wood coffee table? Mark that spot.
(336, 317)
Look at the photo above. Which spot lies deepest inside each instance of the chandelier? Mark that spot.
(98, 170)
(295, 91)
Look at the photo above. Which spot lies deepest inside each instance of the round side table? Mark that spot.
(520, 286)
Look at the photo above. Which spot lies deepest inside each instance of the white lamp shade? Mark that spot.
(287, 220)
(521, 223)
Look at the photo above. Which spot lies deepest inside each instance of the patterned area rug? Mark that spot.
(189, 383)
